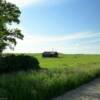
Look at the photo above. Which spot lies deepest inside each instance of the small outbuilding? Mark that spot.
(50, 54)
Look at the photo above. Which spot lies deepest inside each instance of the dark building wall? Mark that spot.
(50, 54)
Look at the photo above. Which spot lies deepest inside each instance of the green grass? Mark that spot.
(67, 60)
(56, 76)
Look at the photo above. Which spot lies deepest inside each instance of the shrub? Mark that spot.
(10, 63)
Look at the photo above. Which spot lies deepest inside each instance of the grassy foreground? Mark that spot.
(57, 76)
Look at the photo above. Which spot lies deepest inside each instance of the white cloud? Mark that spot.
(23, 3)
(73, 43)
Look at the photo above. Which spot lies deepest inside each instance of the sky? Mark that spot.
(66, 26)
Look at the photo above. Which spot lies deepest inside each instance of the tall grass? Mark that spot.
(46, 83)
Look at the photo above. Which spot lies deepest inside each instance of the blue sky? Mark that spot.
(68, 26)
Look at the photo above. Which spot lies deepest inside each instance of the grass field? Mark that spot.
(67, 60)
(56, 76)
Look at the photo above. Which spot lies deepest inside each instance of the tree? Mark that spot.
(9, 14)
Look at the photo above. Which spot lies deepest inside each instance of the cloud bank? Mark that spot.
(85, 42)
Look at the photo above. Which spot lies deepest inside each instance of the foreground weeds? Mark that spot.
(46, 83)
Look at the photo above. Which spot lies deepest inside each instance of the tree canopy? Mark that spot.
(9, 14)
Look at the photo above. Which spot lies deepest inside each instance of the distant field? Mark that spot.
(57, 76)
(67, 60)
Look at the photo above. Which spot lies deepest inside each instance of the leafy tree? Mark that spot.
(9, 14)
